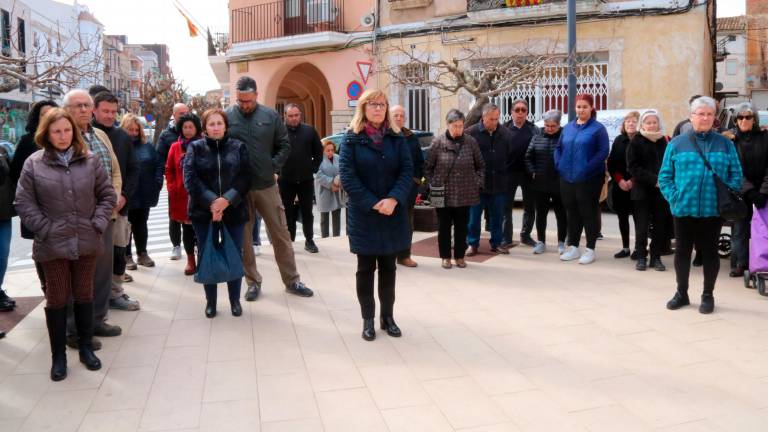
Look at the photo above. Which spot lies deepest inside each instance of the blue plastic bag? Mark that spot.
(220, 260)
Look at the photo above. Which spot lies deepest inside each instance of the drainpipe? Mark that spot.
(571, 60)
(375, 47)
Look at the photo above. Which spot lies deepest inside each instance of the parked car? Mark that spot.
(425, 140)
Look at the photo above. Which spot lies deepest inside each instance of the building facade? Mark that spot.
(322, 53)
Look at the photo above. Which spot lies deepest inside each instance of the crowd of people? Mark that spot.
(83, 186)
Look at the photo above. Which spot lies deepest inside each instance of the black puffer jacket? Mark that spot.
(498, 156)
(540, 162)
(753, 153)
(213, 169)
(165, 141)
(644, 158)
(520, 140)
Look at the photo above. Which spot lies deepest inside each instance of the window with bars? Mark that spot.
(416, 95)
(6, 32)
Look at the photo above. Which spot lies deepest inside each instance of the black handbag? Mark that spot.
(730, 203)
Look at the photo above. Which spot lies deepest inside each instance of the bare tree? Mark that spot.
(200, 103)
(159, 95)
(477, 70)
(58, 63)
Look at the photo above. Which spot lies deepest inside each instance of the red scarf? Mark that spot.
(376, 134)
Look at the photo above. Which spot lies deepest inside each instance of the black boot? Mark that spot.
(697, 260)
(84, 323)
(641, 264)
(369, 333)
(657, 264)
(707, 304)
(388, 324)
(679, 300)
(56, 320)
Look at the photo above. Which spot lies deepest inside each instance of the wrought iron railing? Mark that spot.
(286, 18)
(479, 5)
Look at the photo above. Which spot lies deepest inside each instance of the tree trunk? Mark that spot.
(475, 113)
(160, 124)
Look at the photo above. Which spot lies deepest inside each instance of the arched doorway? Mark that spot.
(306, 86)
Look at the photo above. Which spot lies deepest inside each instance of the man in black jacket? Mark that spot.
(104, 115)
(521, 131)
(494, 142)
(296, 179)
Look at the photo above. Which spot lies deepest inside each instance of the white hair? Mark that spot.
(703, 102)
(653, 112)
(76, 92)
(553, 116)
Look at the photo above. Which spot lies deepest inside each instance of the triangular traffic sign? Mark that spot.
(364, 68)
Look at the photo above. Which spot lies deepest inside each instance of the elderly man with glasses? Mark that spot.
(266, 138)
(79, 104)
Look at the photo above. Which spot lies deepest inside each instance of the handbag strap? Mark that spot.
(450, 170)
(701, 153)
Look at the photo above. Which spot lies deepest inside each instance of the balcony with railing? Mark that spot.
(286, 18)
(488, 11)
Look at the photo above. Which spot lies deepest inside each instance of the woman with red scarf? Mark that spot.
(189, 130)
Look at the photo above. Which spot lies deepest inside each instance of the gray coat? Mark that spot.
(327, 200)
(67, 207)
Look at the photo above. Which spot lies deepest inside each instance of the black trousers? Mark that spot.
(174, 231)
(407, 253)
(582, 205)
(529, 208)
(545, 201)
(704, 234)
(651, 220)
(305, 191)
(624, 207)
(324, 222)
(366, 267)
(139, 232)
(458, 218)
(186, 235)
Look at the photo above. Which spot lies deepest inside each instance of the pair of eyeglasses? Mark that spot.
(377, 105)
(82, 106)
(746, 117)
(521, 110)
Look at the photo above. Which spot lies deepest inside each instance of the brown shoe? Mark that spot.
(408, 262)
(129, 263)
(471, 251)
(447, 264)
(460, 263)
(191, 267)
(145, 260)
(127, 278)
(500, 250)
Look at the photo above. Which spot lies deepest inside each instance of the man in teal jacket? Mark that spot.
(689, 186)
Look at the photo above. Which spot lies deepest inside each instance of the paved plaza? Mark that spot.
(517, 343)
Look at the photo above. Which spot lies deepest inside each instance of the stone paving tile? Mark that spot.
(518, 343)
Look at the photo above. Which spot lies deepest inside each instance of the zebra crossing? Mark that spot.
(158, 240)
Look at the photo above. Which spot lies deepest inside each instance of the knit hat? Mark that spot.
(651, 112)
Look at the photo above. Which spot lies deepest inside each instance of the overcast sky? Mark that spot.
(158, 21)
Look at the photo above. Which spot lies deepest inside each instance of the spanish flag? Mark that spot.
(520, 3)
(193, 31)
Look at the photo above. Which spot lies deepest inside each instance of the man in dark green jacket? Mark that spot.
(266, 138)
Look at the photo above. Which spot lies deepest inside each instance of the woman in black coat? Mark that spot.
(540, 163)
(147, 191)
(644, 157)
(376, 172)
(752, 145)
(24, 149)
(621, 184)
(217, 177)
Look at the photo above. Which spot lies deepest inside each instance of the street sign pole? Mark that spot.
(571, 60)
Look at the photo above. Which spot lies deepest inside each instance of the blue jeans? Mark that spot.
(740, 233)
(495, 204)
(236, 232)
(5, 247)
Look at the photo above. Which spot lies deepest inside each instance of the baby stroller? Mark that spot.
(758, 252)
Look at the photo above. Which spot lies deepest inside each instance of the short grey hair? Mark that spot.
(75, 92)
(703, 102)
(290, 105)
(553, 116)
(745, 107)
(489, 107)
(520, 101)
(178, 106)
(454, 115)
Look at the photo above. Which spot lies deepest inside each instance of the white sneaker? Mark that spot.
(257, 250)
(540, 248)
(560, 247)
(176, 253)
(588, 257)
(570, 254)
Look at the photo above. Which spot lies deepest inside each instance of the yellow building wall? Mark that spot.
(654, 61)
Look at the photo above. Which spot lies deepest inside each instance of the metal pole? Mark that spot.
(571, 60)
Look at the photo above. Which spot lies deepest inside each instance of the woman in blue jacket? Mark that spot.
(689, 186)
(376, 172)
(216, 176)
(580, 160)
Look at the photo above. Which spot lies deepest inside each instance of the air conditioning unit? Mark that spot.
(367, 20)
(321, 11)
